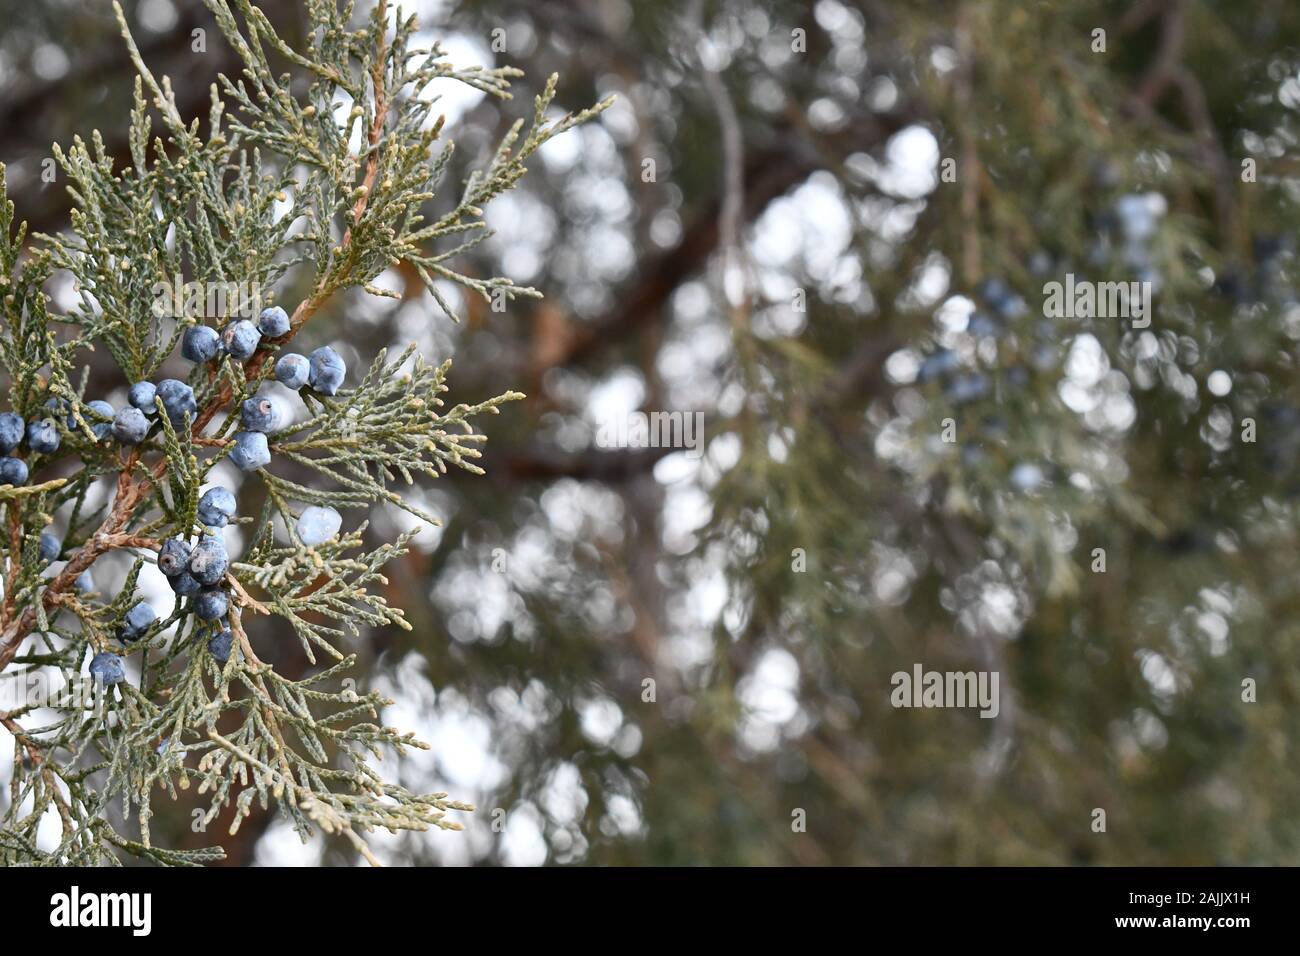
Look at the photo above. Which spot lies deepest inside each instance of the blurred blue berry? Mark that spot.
(259, 414)
(12, 428)
(317, 525)
(142, 396)
(982, 326)
(216, 507)
(251, 451)
(327, 370)
(1026, 476)
(130, 426)
(178, 400)
(108, 669)
(51, 546)
(85, 582)
(137, 621)
(211, 604)
(173, 557)
(293, 370)
(241, 338)
(208, 560)
(200, 344)
(273, 322)
(43, 436)
(13, 471)
(220, 644)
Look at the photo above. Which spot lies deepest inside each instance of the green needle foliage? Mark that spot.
(327, 169)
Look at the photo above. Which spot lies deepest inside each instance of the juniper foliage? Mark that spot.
(328, 168)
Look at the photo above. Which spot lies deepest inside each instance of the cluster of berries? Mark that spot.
(196, 570)
(324, 371)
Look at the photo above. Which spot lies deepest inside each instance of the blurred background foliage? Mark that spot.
(760, 230)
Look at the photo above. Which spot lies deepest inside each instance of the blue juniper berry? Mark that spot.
(100, 429)
(12, 428)
(200, 344)
(13, 471)
(327, 370)
(251, 451)
(293, 370)
(241, 338)
(85, 582)
(43, 436)
(273, 322)
(211, 604)
(259, 414)
(185, 584)
(219, 645)
(208, 560)
(50, 546)
(216, 507)
(142, 396)
(130, 426)
(173, 557)
(317, 525)
(108, 668)
(178, 400)
(137, 621)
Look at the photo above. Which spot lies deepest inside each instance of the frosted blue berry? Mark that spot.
(178, 400)
(142, 396)
(50, 546)
(185, 584)
(13, 471)
(1026, 476)
(43, 436)
(211, 604)
(273, 322)
(100, 429)
(208, 560)
(241, 338)
(259, 414)
(317, 525)
(216, 507)
(173, 557)
(130, 426)
(250, 452)
(200, 344)
(12, 427)
(85, 582)
(108, 669)
(292, 370)
(137, 621)
(327, 370)
(219, 645)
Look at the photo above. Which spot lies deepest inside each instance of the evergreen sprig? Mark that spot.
(326, 169)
